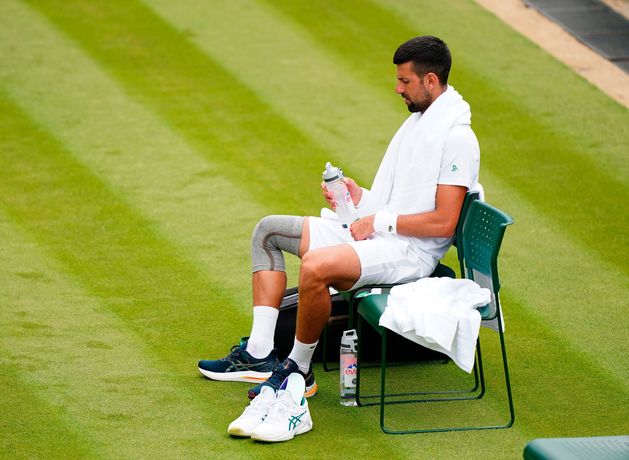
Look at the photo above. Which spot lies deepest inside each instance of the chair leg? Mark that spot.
(359, 356)
(506, 373)
(383, 368)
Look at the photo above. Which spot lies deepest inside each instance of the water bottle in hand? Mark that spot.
(334, 182)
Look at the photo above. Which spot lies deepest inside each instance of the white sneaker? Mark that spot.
(254, 413)
(289, 414)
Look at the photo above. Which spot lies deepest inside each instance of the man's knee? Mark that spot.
(271, 236)
(314, 269)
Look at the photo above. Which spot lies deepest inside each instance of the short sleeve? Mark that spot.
(460, 162)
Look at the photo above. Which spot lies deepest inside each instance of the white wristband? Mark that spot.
(384, 222)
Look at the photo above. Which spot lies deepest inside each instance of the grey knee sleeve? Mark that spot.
(271, 236)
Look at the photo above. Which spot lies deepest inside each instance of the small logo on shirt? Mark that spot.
(455, 168)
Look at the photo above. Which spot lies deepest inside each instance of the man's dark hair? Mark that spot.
(428, 54)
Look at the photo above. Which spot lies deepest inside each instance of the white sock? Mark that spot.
(302, 354)
(261, 340)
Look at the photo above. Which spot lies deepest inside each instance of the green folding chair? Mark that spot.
(479, 241)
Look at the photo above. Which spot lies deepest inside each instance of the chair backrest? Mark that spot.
(483, 231)
(469, 198)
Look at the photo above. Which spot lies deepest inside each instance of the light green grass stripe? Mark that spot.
(250, 142)
(566, 284)
(533, 132)
(82, 360)
(287, 69)
(128, 146)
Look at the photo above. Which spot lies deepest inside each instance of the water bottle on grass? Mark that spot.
(348, 368)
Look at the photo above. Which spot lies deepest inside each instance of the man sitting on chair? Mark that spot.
(407, 221)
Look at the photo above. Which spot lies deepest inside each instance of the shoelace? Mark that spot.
(280, 409)
(278, 376)
(259, 406)
(233, 354)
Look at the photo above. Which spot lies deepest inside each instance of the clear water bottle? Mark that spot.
(348, 368)
(345, 208)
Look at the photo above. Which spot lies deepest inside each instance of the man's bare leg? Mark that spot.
(337, 266)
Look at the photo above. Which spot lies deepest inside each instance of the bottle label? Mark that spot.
(349, 369)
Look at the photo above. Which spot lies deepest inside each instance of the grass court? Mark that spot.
(140, 142)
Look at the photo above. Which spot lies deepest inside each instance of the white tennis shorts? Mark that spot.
(383, 259)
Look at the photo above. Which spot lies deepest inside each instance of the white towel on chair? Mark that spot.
(440, 314)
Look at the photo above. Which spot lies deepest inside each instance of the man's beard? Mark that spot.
(419, 106)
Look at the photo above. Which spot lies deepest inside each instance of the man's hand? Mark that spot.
(354, 191)
(329, 197)
(362, 228)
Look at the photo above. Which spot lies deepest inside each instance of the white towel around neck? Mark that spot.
(407, 178)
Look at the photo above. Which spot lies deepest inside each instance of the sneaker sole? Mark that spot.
(311, 390)
(239, 432)
(240, 376)
(303, 428)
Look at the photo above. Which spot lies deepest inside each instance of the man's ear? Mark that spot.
(431, 80)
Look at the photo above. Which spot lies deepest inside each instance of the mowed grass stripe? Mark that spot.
(542, 151)
(251, 143)
(184, 195)
(351, 118)
(85, 366)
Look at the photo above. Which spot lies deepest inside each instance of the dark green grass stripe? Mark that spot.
(31, 427)
(158, 66)
(564, 162)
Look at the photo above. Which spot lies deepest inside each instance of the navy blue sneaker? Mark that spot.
(239, 366)
(280, 373)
